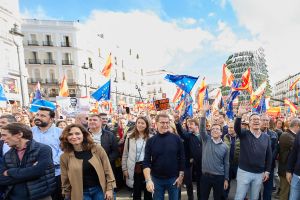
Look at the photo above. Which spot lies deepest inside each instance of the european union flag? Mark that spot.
(233, 95)
(206, 98)
(2, 94)
(262, 108)
(184, 82)
(188, 109)
(103, 92)
(37, 103)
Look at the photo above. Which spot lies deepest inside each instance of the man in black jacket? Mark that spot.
(193, 152)
(27, 169)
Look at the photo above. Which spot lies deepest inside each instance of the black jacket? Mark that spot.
(31, 179)
(192, 147)
(293, 165)
(110, 145)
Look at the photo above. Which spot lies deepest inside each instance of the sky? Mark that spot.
(193, 37)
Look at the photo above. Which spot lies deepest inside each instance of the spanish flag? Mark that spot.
(201, 93)
(63, 89)
(107, 68)
(294, 83)
(178, 94)
(259, 92)
(227, 77)
(291, 105)
(246, 82)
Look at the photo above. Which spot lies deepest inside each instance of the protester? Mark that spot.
(215, 159)
(61, 124)
(133, 155)
(255, 156)
(293, 169)
(82, 118)
(5, 120)
(27, 169)
(47, 133)
(164, 161)
(86, 173)
(286, 143)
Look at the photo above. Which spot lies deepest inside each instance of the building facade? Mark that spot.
(281, 90)
(239, 62)
(13, 74)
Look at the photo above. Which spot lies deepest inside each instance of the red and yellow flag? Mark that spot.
(107, 68)
(201, 93)
(63, 89)
(227, 77)
(294, 83)
(177, 95)
(259, 92)
(292, 106)
(246, 82)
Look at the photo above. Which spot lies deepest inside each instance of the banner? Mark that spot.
(71, 106)
(162, 104)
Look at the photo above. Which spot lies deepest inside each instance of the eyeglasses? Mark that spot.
(164, 123)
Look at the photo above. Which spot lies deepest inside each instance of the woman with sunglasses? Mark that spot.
(86, 173)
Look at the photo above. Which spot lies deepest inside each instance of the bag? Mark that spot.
(138, 168)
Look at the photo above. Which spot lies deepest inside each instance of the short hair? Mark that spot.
(102, 114)
(295, 122)
(253, 114)
(161, 115)
(10, 118)
(60, 121)
(94, 115)
(51, 112)
(215, 124)
(16, 128)
(194, 120)
(222, 114)
(66, 146)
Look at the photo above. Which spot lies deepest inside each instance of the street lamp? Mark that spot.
(85, 82)
(15, 32)
(139, 90)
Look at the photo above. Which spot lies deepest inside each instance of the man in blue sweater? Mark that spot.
(164, 161)
(255, 156)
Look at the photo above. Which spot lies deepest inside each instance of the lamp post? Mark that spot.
(85, 82)
(139, 90)
(15, 32)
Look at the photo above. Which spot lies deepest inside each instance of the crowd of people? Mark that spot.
(92, 156)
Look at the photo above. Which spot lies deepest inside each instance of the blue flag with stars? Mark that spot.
(233, 95)
(206, 98)
(188, 108)
(262, 107)
(103, 92)
(184, 82)
(2, 94)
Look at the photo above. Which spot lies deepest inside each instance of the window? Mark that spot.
(33, 37)
(90, 63)
(34, 55)
(123, 76)
(48, 38)
(51, 74)
(49, 55)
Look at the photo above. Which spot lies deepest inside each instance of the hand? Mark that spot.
(5, 173)
(125, 174)
(204, 108)
(178, 181)
(243, 109)
(109, 195)
(150, 186)
(289, 177)
(225, 185)
(265, 176)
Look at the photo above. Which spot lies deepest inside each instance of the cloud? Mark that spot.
(37, 13)
(276, 24)
(158, 42)
(211, 14)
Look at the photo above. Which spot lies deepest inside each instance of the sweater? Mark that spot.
(293, 165)
(215, 157)
(286, 142)
(255, 153)
(164, 155)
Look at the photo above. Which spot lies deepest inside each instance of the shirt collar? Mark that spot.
(217, 141)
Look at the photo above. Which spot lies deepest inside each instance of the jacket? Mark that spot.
(32, 178)
(71, 172)
(227, 140)
(286, 142)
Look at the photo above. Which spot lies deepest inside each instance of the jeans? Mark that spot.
(268, 187)
(161, 185)
(295, 188)
(209, 181)
(246, 180)
(93, 193)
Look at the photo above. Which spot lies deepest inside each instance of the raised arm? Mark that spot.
(202, 112)
(237, 124)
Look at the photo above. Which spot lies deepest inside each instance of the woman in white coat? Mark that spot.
(133, 156)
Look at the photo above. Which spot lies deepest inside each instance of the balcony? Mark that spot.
(33, 43)
(51, 81)
(71, 82)
(49, 62)
(34, 61)
(67, 62)
(48, 43)
(35, 80)
(66, 44)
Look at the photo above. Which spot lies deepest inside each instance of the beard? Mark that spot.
(40, 123)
